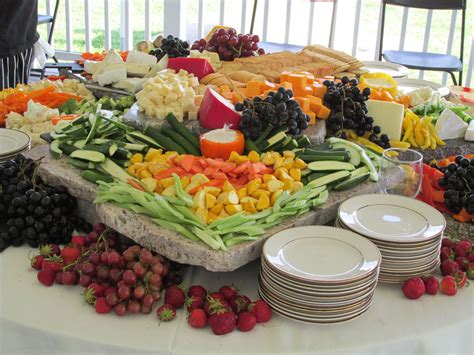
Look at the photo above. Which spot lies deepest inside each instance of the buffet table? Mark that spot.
(32, 324)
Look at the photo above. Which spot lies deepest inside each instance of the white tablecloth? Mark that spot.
(38, 320)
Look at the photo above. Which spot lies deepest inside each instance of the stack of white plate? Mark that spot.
(13, 142)
(319, 274)
(407, 232)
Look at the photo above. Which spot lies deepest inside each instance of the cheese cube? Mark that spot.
(388, 115)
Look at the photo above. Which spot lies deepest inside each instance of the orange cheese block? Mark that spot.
(309, 77)
(299, 83)
(253, 88)
(304, 103)
(312, 117)
(227, 94)
(324, 112)
(315, 103)
(287, 85)
(266, 85)
(307, 91)
(239, 95)
(224, 88)
(319, 90)
(285, 76)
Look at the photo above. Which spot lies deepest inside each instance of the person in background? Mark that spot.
(18, 20)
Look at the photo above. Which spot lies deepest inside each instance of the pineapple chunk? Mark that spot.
(247, 199)
(263, 202)
(211, 217)
(288, 163)
(152, 153)
(144, 174)
(253, 185)
(275, 196)
(167, 182)
(289, 154)
(199, 200)
(233, 156)
(254, 156)
(280, 171)
(259, 192)
(250, 207)
(296, 186)
(228, 198)
(210, 201)
(233, 209)
(227, 186)
(278, 163)
(295, 174)
(200, 178)
(268, 159)
(274, 185)
(242, 192)
(169, 191)
(192, 185)
(214, 191)
(202, 214)
(131, 170)
(300, 164)
(149, 184)
(137, 158)
(285, 177)
(241, 159)
(268, 177)
(185, 181)
(288, 184)
(156, 167)
(218, 207)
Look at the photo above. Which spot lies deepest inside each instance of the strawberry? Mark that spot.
(46, 277)
(78, 240)
(54, 263)
(37, 262)
(229, 292)
(93, 292)
(217, 296)
(463, 262)
(175, 296)
(461, 278)
(49, 250)
(261, 310)
(70, 254)
(470, 271)
(222, 321)
(213, 304)
(166, 313)
(463, 248)
(413, 288)
(449, 267)
(431, 285)
(448, 242)
(246, 321)
(471, 257)
(194, 302)
(446, 254)
(101, 306)
(197, 318)
(448, 286)
(240, 303)
(197, 290)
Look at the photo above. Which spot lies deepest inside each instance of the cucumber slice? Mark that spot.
(145, 139)
(67, 148)
(359, 171)
(330, 178)
(122, 153)
(330, 165)
(303, 142)
(274, 140)
(354, 154)
(263, 135)
(78, 163)
(114, 170)
(89, 155)
(56, 135)
(250, 145)
(54, 149)
(80, 143)
(351, 182)
(94, 176)
(183, 130)
(317, 175)
(95, 126)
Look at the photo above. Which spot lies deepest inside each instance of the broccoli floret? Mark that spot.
(107, 102)
(124, 103)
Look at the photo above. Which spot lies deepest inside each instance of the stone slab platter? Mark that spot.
(168, 243)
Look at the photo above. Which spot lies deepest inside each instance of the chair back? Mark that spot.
(429, 4)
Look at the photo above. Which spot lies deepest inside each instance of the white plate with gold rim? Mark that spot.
(392, 69)
(13, 141)
(321, 254)
(391, 218)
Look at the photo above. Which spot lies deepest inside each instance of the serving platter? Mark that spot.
(407, 85)
(392, 69)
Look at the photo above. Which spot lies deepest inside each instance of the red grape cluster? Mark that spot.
(230, 45)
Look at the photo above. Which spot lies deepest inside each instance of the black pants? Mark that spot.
(15, 69)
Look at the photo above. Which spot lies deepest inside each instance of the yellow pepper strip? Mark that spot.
(426, 134)
(399, 144)
(433, 132)
(366, 142)
(409, 129)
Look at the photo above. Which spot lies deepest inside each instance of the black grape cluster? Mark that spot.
(172, 46)
(278, 109)
(31, 211)
(349, 111)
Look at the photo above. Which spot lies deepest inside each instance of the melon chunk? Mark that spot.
(216, 112)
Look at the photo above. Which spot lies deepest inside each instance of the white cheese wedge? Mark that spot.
(469, 136)
(450, 126)
(141, 58)
(91, 66)
(131, 85)
(112, 76)
(161, 65)
(136, 69)
(387, 115)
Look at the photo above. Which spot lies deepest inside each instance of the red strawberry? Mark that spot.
(197, 318)
(78, 240)
(449, 267)
(261, 310)
(448, 286)
(470, 271)
(222, 321)
(213, 304)
(461, 278)
(166, 313)
(448, 242)
(49, 250)
(463, 262)
(240, 303)
(37, 262)
(197, 290)
(414, 288)
(70, 254)
(217, 296)
(194, 302)
(175, 296)
(46, 277)
(246, 321)
(229, 292)
(101, 306)
(446, 254)
(463, 248)
(54, 263)
(93, 292)
(471, 257)
(431, 285)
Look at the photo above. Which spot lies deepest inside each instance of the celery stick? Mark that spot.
(279, 215)
(177, 227)
(242, 220)
(225, 220)
(262, 214)
(238, 240)
(232, 228)
(174, 200)
(304, 210)
(294, 205)
(206, 238)
(181, 194)
(322, 198)
(280, 200)
(190, 218)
